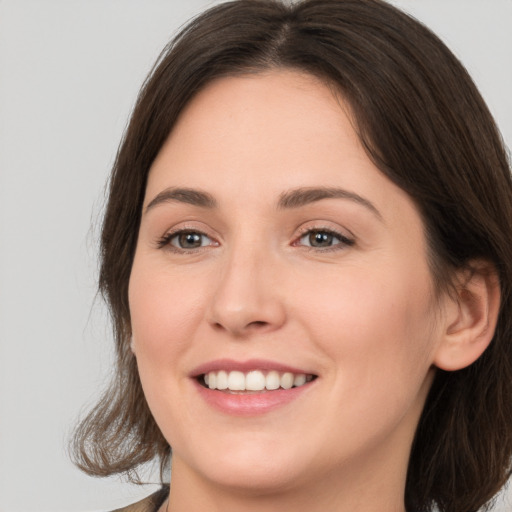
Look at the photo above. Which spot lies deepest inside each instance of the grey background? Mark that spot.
(69, 74)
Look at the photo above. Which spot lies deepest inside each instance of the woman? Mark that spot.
(306, 251)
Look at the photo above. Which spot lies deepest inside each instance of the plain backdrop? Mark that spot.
(69, 74)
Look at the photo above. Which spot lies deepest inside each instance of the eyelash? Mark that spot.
(343, 243)
(166, 240)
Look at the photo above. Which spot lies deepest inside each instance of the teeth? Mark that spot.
(236, 381)
(287, 380)
(273, 381)
(255, 380)
(222, 380)
(299, 380)
(212, 380)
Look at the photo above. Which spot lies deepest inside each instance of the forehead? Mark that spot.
(281, 94)
(266, 122)
(262, 134)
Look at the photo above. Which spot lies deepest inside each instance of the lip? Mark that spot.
(253, 404)
(248, 404)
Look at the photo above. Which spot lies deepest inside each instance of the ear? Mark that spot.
(132, 345)
(471, 317)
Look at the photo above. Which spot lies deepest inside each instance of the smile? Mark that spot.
(252, 387)
(253, 381)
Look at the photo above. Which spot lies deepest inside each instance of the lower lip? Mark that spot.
(252, 404)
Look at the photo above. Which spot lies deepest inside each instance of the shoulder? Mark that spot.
(149, 504)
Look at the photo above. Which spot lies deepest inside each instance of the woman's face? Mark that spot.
(271, 245)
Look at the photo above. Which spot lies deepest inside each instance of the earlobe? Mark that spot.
(132, 345)
(471, 317)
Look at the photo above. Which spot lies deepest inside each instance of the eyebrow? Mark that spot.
(291, 199)
(306, 195)
(183, 195)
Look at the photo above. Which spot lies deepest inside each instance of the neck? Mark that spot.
(356, 491)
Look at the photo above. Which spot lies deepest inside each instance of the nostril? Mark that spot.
(243, 329)
(257, 323)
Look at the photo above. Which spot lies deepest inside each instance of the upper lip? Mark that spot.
(245, 366)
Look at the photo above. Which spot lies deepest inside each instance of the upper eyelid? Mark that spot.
(164, 240)
(186, 227)
(172, 234)
(301, 231)
(343, 239)
(322, 230)
(343, 234)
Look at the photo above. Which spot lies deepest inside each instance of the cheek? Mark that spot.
(377, 321)
(376, 329)
(164, 311)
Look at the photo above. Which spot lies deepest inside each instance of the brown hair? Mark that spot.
(426, 127)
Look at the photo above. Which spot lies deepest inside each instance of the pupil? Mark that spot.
(190, 240)
(320, 239)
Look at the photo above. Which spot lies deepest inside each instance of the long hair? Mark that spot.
(424, 124)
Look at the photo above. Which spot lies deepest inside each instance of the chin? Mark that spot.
(264, 478)
(252, 468)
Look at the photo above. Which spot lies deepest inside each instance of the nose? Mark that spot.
(247, 298)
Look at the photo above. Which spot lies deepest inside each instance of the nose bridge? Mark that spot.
(246, 297)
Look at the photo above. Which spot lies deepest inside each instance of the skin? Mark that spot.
(362, 316)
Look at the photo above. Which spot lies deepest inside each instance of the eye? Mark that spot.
(186, 240)
(324, 239)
